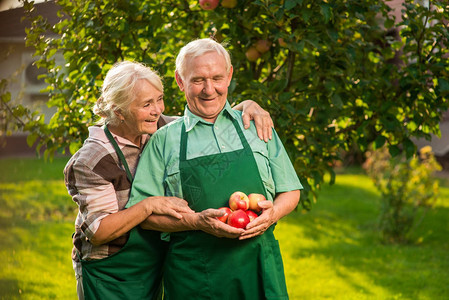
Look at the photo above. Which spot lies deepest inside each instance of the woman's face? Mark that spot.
(145, 110)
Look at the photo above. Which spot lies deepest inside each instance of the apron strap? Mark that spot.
(183, 144)
(119, 153)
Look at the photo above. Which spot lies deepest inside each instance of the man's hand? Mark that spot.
(260, 224)
(208, 222)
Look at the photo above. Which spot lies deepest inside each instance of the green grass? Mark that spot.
(334, 251)
(331, 252)
(36, 224)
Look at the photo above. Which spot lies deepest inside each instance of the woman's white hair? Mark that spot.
(118, 90)
(197, 48)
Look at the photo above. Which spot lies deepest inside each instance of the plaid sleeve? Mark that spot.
(95, 196)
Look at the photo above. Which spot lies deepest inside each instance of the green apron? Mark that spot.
(202, 266)
(135, 271)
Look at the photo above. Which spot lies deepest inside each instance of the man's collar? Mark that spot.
(190, 119)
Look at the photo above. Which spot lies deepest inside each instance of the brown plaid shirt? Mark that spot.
(97, 182)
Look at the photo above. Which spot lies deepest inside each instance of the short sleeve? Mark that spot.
(283, 172)
(150, 173)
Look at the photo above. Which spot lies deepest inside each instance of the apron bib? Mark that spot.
(135, 271)
(202, 266)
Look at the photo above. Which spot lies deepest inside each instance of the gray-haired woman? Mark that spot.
(114, 258)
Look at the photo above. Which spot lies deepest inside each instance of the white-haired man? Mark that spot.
(203, 158)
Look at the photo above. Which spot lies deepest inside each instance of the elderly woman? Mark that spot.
(114, 258)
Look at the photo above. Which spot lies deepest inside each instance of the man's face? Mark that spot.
(205, 84)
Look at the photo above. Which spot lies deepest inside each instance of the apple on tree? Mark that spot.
(208, 4)
(263, 46)
(252, 54)
(229, 3)
(238, 200)
(238, 219)
(282, 43)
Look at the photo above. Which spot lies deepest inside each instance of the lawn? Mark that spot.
(331, 252)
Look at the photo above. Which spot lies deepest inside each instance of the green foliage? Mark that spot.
(406, 186)
(333, 78)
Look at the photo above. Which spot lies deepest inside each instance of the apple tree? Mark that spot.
(335, 75)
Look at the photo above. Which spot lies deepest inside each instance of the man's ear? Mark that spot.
(230, 75)
(179, 81)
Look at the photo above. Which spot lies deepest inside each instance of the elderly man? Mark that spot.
(203, 158)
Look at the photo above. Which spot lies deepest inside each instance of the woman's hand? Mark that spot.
(262, 119)
(170, 206)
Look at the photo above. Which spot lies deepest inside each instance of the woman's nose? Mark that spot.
(157, 109)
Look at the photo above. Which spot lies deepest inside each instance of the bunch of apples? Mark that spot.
(242, 209)
(255, 52)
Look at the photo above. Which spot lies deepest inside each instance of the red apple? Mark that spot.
(226, 211)
(238, 200)
(251, 215)
(238, 219)
(254, 198)
(282, 43)
(229, 3)
(263, 46)
(208, 4)
(252, 54)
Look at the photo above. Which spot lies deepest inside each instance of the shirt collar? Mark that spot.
(190, 119)
(97, 133)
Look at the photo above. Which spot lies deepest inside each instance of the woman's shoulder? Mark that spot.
(94, 148)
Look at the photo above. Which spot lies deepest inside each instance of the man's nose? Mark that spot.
(208, 88)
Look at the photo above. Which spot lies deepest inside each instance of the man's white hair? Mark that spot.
(197, 48)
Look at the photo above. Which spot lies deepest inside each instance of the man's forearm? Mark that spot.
(285, 203)
(170, 224)
(205, 221)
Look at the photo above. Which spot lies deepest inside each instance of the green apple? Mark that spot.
(252, 54)
(263, 46)
(229, 3)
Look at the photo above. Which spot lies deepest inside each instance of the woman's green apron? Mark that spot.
(202, 266)
(135, 271)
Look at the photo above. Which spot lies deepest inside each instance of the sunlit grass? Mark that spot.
(36, 219)
(334, 251)
(331, 252)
